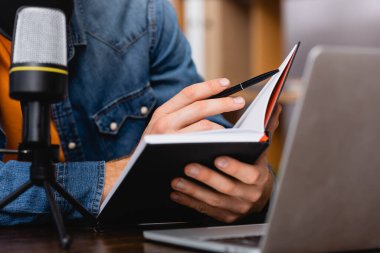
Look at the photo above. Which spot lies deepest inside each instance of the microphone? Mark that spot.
(38, 73)
(39, 58)
(38, 78)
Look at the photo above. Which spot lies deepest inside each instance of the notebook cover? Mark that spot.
(143, 196)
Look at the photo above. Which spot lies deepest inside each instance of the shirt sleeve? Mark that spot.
(83, 180)
(172, 67)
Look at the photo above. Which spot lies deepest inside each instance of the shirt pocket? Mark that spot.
(121, 122)
(137, 105)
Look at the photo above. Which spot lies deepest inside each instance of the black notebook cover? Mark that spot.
(143, 196)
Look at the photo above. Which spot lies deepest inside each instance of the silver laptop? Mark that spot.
(328, 192)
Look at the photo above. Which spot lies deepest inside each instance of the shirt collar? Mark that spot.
(76, 28)
(76, 32)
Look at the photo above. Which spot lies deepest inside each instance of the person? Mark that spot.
(130, 74)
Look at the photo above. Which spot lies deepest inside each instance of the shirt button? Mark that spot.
(72, 145)
(113, 126)
(144, 110)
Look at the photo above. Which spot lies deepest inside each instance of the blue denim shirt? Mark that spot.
(126, 58)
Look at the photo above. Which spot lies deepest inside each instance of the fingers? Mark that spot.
(211, 198)
(203, 125)
(246, 173)
(189, 115)
(194, 93)
(213, 179)
(222, 183)
(216, 213)
(203, 109)
(228, 196)
(256, 179)
(183, 112)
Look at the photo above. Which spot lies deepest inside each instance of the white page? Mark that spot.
(254, 117)
(216, 136)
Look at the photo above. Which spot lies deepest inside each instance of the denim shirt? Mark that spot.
(126, 58)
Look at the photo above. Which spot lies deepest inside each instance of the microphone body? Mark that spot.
(39, 58)
(38, 74)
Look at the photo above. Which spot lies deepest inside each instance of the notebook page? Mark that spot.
(254, 117)
(215, 136)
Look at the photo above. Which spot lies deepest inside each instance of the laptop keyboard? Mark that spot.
(251, 241)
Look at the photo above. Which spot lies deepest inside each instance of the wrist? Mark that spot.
(112, 172)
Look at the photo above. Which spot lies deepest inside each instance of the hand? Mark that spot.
(185, 112)
(246, 189)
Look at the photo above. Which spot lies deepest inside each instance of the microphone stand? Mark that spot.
(36, 148)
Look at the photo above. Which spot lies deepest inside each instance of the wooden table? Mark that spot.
(44, 239)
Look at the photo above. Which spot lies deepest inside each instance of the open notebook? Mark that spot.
(141, 194)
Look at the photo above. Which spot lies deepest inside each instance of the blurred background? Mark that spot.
(239, 39)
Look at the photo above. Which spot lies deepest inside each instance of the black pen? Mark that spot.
(245, 84)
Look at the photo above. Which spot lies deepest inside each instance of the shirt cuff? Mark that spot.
(84, 181)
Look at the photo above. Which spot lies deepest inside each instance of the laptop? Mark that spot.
(328, 189)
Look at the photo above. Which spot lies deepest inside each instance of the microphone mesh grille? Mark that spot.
(40, 37)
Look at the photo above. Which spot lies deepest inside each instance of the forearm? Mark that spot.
(84, 181)
(113, 170)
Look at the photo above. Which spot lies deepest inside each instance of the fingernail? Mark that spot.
(194, 170)
(239, 100)
(180, 185)
(174, 196)
(221, 162)
(224, 82)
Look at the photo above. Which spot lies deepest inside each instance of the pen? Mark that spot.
(245, 84)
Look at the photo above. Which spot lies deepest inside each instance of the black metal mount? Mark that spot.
(36, 148)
